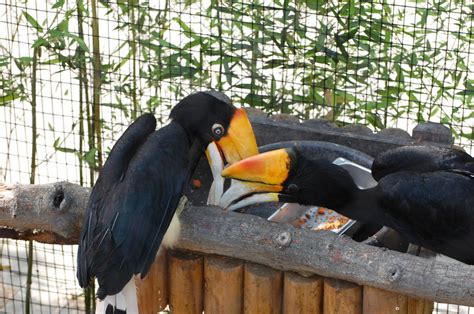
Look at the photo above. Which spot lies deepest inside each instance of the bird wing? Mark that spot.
(421, 159)
(116, 164)
(129, 220)
(432, 209)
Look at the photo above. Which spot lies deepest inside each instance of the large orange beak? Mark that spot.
(239, 142)
(271, 168)
(261, 179)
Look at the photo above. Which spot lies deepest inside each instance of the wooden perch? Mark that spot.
(49, 213)
(210, 230)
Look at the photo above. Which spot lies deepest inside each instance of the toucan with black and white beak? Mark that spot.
(425, 193)
(131, 207)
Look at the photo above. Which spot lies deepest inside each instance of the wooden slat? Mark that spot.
(420, 306)
(342, 297)
(223, 288)
(262, 289)
(377, 301)
(302, 294)
(152, 291)
(186, 282)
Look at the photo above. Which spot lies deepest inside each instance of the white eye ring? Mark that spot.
(218, 129)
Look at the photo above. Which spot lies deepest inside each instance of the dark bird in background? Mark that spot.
(139, 188)
(424, 193)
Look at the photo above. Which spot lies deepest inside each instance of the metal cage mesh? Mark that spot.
(76, 73)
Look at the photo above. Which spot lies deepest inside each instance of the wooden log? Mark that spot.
(342, 297)
(262, 289)
(49, 213)
(377, 301)
(420, 306)
(186, 282)
(302, 294)
(210, 230)
(223, 288)
(152, 291)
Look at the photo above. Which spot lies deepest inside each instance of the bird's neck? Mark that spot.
(195, 148)
(189, 133)
(363, 207)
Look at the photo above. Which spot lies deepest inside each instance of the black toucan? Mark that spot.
(425, 193)
(139, 187)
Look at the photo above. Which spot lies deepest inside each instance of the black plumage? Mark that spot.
(421, 159)
(140, 185)
(425, 193)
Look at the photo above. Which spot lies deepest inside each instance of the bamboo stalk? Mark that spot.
(302, 294)
(34, 131)
(186, 282)
(223, 289)
(132, 5)
(97, 82)
(34, 135)
(262, 289)
(82, 86)
(342, 297)
(221, 51)
(376, 301)
(89, 293)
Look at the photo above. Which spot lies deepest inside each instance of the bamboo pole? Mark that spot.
(376, 301)
(186, 282)
(302, 294)
(342, 297)
(420, 306)
(97, 83)
(152, 291)
(262, 289)
(223, 289)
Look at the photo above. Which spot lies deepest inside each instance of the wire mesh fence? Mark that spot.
(75, 73)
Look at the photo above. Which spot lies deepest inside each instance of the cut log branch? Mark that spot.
(49, 213)
(210, 230)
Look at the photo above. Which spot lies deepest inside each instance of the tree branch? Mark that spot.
(50, 213)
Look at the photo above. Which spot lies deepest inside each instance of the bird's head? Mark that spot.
(210, 117)
(287, 175)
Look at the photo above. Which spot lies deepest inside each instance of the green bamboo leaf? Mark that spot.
(187, 30)
(32, 21)
(58, 4)
(8, 98)
(79, 41)
(90, 157)
(64, 149)
(375, 121)
(316, 5)
(39, 42)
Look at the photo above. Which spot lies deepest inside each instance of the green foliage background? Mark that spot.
(74, 74)
(377, 63)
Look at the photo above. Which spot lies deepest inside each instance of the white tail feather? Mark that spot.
(125, 300)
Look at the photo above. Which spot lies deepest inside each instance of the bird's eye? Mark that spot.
(217, 130)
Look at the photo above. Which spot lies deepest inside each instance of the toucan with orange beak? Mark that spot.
(131, 207)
